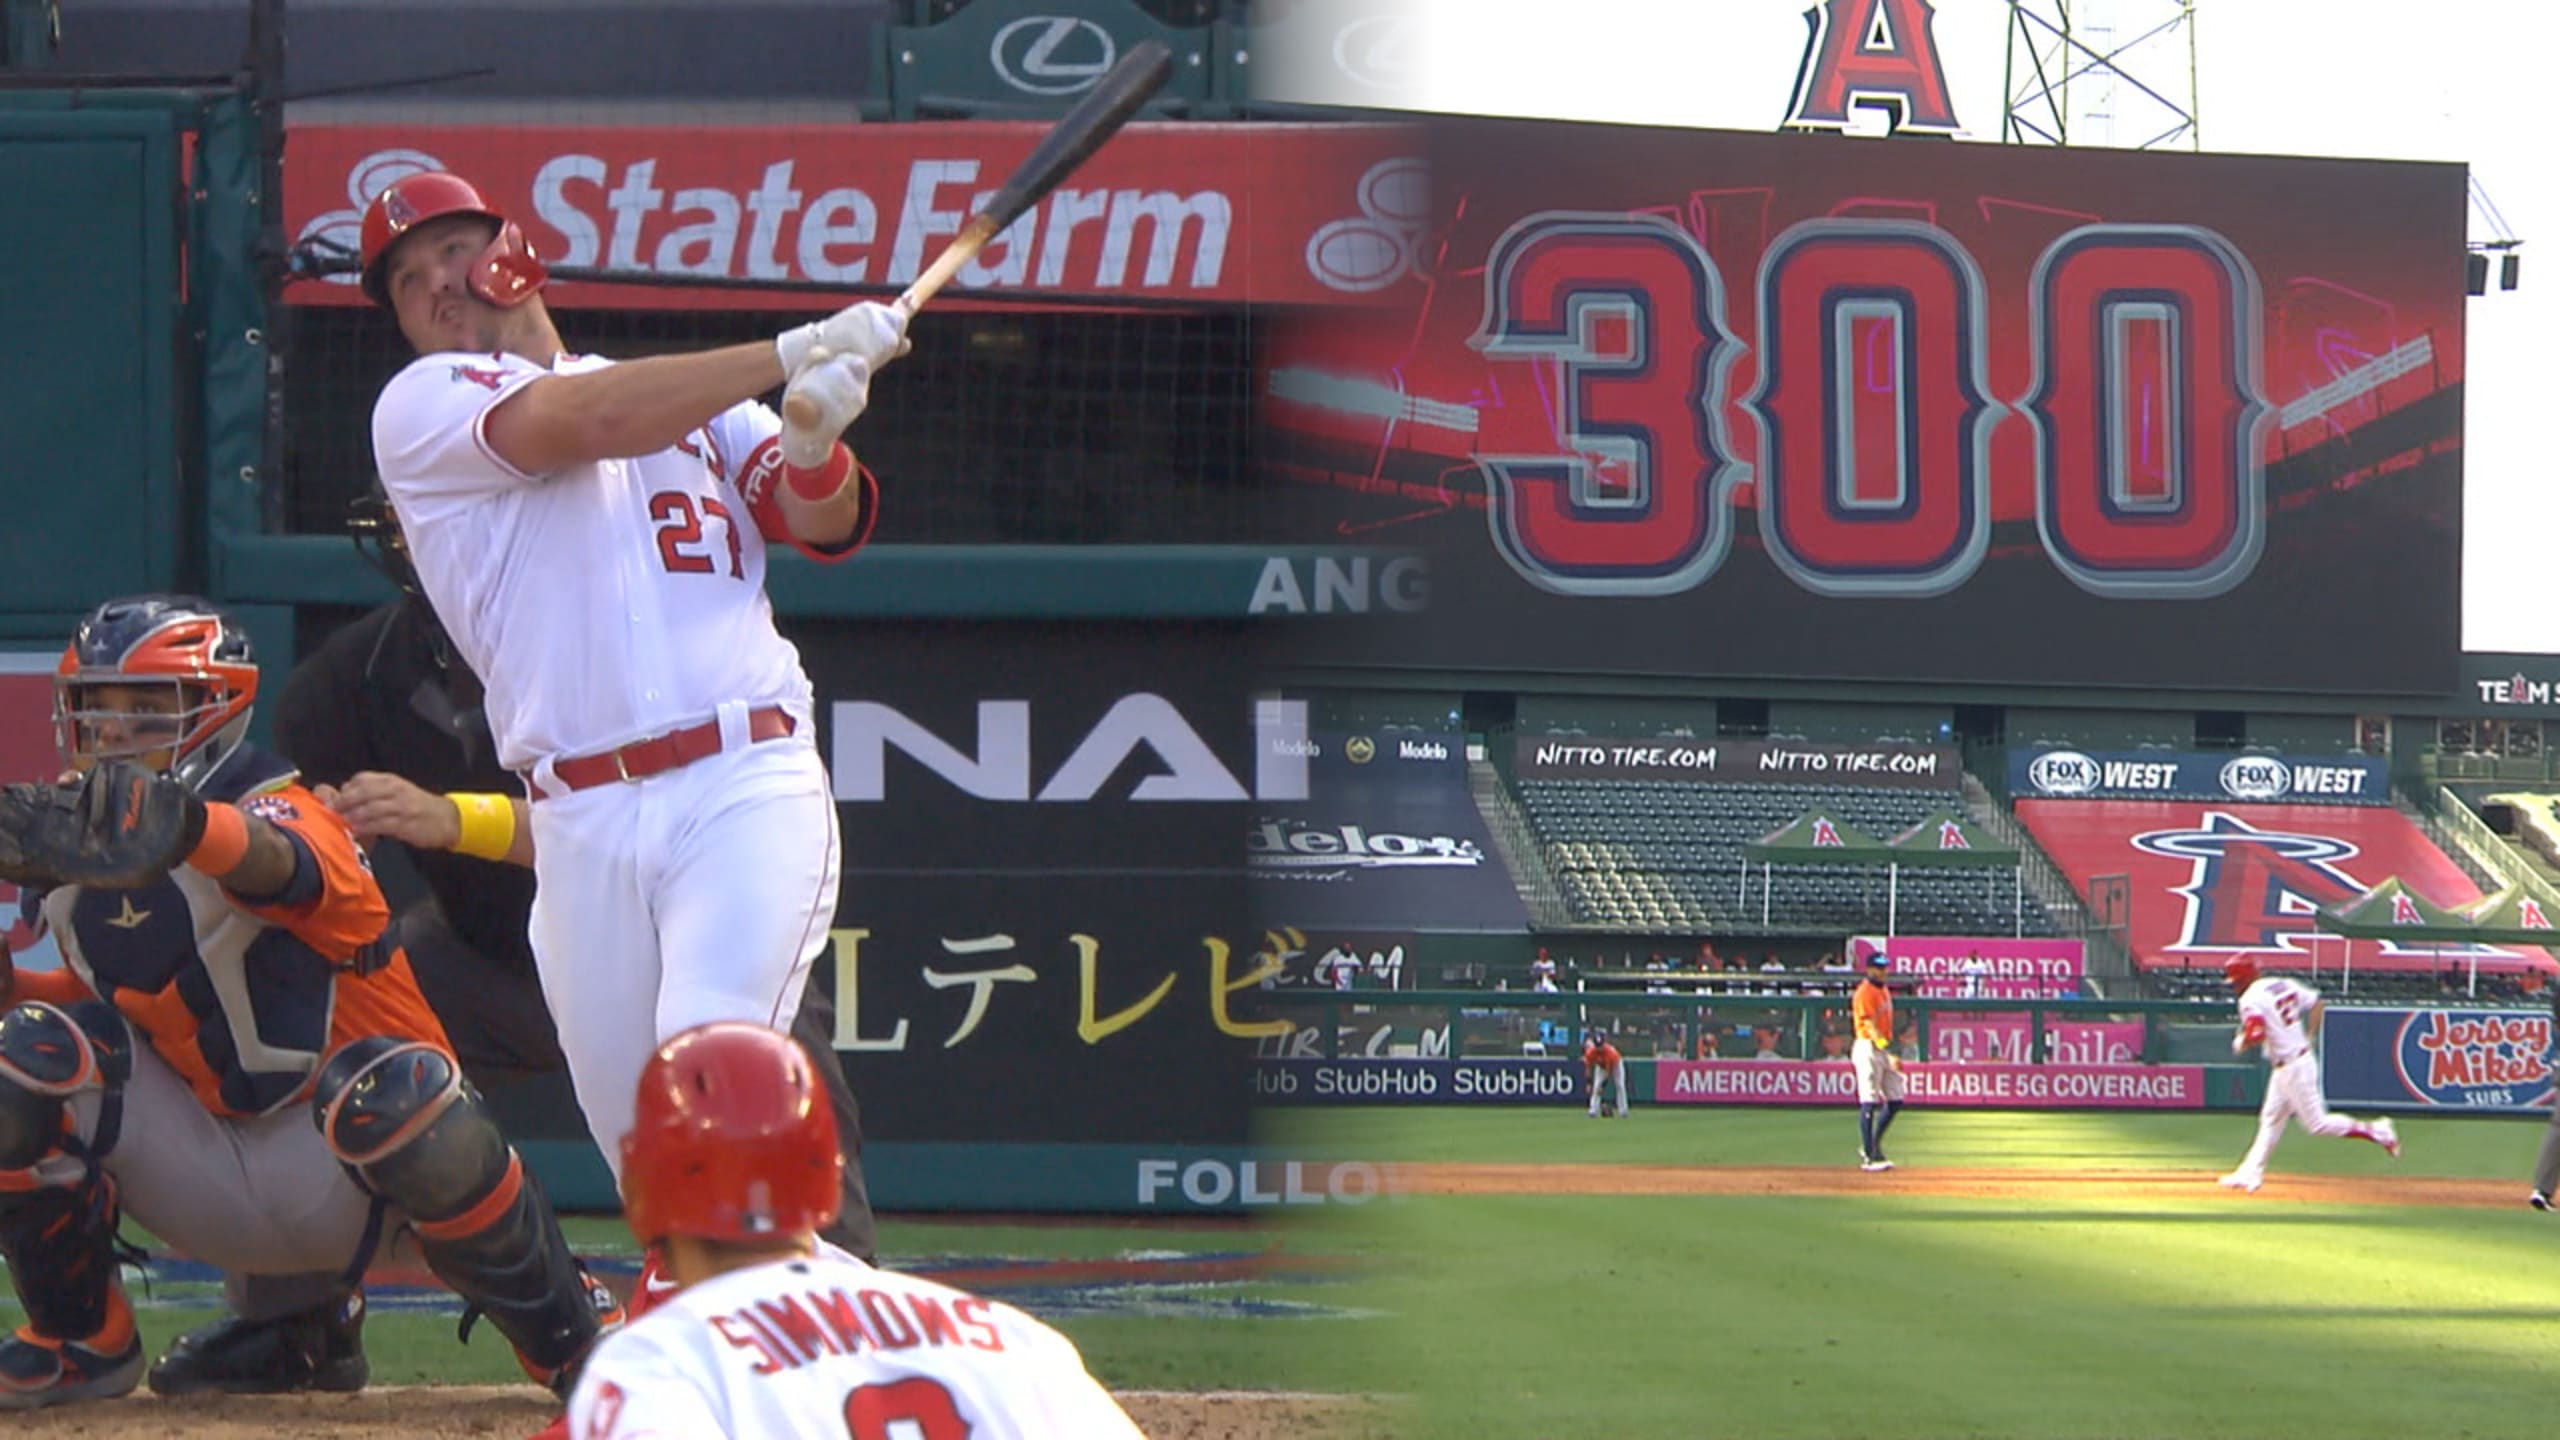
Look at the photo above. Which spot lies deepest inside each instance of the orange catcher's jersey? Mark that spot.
(607, 602)
(831, 1346)
(2283, 1006)
(245, 1000)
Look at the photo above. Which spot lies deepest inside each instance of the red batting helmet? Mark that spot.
(507, 273)
(731, 1139)
(2241, 971)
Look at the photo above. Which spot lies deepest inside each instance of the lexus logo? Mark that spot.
(1052, 54)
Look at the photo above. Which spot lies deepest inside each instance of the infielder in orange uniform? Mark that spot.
(1879, 1069)
(233, 1051)
(1603, 1065)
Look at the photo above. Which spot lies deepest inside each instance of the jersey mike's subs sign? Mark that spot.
(1210, 213)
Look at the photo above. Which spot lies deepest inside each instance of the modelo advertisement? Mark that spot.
(2062, 774)
(1044, 958)
(2486, 1060)
(1417, 1082)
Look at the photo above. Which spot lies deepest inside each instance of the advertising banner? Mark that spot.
(1985, 1086)
(1737, 762)
(1387, 837)
(26, 754)
(1690, 402)
(2001, 1036)
(1416, 1082)
(2478, 1060)
(1227, 213)
(1045, 931)
(2058, 773)
(1936, 966)
(1296, 959)
(2206, 883)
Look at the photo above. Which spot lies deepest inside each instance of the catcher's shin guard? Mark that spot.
(58, 1209)
(399, 1113)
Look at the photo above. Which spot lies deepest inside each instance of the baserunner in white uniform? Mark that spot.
(2283, 1015)
(729, 1166)
(592, 535)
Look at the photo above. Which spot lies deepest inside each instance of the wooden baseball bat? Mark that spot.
(1081, 131)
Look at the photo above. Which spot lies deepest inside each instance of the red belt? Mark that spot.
(658, 754)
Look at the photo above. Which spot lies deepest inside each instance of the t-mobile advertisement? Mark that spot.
(1965, 966)
(1987, 1086)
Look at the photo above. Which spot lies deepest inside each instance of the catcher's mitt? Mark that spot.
(119, 827)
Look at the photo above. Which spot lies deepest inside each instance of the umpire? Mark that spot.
(387, 698)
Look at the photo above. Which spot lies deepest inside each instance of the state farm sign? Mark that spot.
(1163, 212)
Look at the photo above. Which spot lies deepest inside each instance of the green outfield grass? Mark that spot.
(1911, 1316)
(1165, 1351)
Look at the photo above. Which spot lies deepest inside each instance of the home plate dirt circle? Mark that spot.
(511, 1412)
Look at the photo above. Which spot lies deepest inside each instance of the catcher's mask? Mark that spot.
(142, 643)
(375, 527)
(731, 1139)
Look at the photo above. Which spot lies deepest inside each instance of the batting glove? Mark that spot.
(873, 333)
(840, 387)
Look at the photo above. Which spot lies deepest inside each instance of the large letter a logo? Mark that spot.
(1871, 52)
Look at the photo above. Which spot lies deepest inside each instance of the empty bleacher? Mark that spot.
(1668, 858)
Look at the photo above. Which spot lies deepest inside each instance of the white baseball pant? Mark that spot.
(2293, 1092)
(703, 893)
(1878, 1079)
(1615, 1079)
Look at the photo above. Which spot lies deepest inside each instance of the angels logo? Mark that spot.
(1826, 833)
(2253, 890)
(2474, 1057)
(2404, 911)
(2529, 914)
(1951, 836)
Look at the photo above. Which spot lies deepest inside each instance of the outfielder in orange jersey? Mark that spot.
(1879, 1069)
(226, 984)
(1603, 1065)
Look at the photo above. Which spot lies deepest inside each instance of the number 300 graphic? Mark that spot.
(1874, 408)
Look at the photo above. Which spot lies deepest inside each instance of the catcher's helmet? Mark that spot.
(375, 528)
(2241, 971)
(174, 640)
(506, 274)
(731, 1139)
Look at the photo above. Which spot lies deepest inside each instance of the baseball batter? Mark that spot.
(593, 537)
(727, 1168)
(1880, 1086)
(233, 1052)
(2284, 1015)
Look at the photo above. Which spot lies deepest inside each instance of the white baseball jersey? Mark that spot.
(2283, 1005)
(602, 604)
(830, 1346)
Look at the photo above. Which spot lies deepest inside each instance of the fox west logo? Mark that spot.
(2259, 890)
(1863, 54)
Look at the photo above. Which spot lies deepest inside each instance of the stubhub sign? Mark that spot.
(1416, 1082)
(2059, 773)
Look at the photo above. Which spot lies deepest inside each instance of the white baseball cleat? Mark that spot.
(2387, 1137)
(2538, 1200)
(2238, 1181)
(1872, 1165)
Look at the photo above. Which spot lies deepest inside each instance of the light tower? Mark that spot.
(2116, 73)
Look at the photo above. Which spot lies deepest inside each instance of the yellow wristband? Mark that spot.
(488, 825)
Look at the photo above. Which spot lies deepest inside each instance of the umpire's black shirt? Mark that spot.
(373, 697)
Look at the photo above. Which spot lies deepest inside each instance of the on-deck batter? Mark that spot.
(592, 535)
(2283, 1015)
(729, 1166)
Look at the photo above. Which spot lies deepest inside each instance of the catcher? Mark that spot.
(233, 1052)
